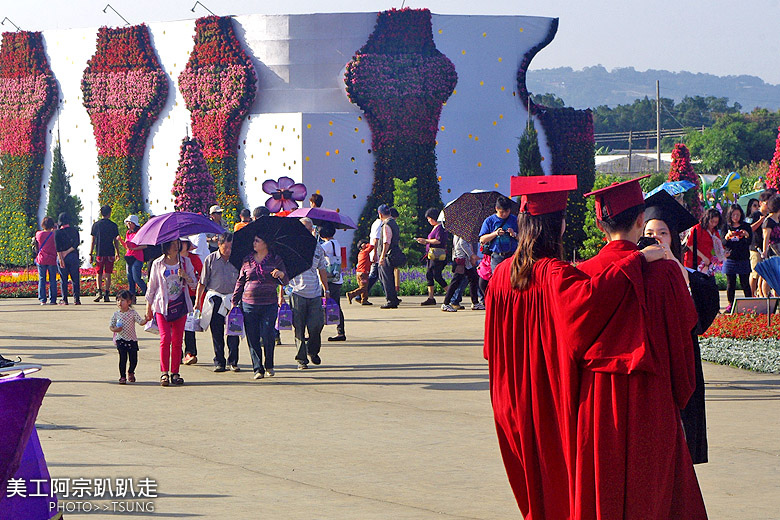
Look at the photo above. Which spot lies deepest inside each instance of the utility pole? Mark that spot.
(630, 148)
(657, 126)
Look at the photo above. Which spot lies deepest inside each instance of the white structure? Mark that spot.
(302, 124)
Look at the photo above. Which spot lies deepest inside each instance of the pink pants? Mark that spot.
(171, 338)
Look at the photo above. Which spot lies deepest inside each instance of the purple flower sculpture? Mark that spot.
(283, 194)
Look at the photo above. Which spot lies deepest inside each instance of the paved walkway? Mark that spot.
(396, 422)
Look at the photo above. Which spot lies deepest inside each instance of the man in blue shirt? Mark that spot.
(499, 233)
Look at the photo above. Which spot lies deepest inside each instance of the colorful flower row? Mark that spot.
(743, 326)
(401, 81)
(773, 176)
(218, 85)
(124, 90)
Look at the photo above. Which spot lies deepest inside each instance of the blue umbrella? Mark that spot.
(769, 270)
(673, 188)
(169, 227)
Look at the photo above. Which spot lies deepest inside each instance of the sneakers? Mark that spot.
(219, 369)
(270, 372)
(122, 380)
(63, 302)
(366, 303)
(259, 375)
(457, 306)
(131, 377)
(477, 306)
(448, 308)
(189, 359)
(235, 368)
(429, 301)
(99, 297)
(302, 366)
(77, 302)
(389, 306)
(316, 359)
(340, 337)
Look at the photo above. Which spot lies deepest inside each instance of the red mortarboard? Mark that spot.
(542, 194)
(618, 197)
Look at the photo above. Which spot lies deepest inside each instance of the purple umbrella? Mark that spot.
(169, 227)
(20, 399)
(32, 468)
(320, 215)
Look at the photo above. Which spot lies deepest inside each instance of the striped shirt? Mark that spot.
(307, 284)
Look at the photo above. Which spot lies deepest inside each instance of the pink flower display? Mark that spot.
(193, 186)
(28, 98)
(218, 84)
(283, 194)
(124, 91)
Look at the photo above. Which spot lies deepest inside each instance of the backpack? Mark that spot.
(334, 266)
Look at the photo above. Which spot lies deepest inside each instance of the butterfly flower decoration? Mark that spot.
(283, 194)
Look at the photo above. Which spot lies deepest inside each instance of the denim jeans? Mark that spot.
(52, 272)
(308, 316)
(217, 327)
(259, 321)
(133, 269)
(457, 293)
(373, 277)
(71, 269)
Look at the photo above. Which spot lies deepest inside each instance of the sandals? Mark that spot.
(176, 379)
(164, 381)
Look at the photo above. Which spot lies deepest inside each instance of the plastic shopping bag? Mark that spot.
(193, 322)
(284, 319)
(331, 311)
(235, 322)
(151, 327)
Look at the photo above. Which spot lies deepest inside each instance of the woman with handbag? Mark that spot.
(255, 294)
(46, 260)
(332, 250)
(168, 301)
(435, 253)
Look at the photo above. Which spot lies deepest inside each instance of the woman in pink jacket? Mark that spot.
(168, 301)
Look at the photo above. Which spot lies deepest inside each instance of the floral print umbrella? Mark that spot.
(283, 194)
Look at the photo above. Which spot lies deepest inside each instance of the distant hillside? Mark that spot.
(594, 86)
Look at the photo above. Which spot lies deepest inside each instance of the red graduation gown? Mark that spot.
(536, 342)
(632, 458)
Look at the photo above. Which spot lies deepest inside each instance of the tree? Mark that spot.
(405, 201)
(547, 100)
(528, 154)
(60, 199)
(193, 186)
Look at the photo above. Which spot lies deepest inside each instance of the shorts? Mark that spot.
(105, 264)
(126, 345)
(755, 258)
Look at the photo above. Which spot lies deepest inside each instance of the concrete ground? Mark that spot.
(396, 422)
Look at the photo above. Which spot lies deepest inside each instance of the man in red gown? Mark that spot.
(538, 341)
(632, 459)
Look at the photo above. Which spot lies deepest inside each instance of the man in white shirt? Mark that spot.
(374, 237)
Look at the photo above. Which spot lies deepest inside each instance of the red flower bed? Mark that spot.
(743, 326)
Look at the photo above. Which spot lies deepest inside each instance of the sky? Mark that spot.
(720, 37)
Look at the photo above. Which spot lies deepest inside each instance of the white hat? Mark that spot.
(133, 219)
(215, 209)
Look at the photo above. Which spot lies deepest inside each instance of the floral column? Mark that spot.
(124, 91)
(400, 81)
(219, 85)
(28, 98)
(773, 176)
(193, 186)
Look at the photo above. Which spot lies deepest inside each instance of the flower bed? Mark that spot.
(28, 97)
(413, 282)
(744, 341)
(23, 283)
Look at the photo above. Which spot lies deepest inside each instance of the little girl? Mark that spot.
(123, 327)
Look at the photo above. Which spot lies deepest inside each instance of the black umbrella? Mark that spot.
(464, 215)
(286, 237)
